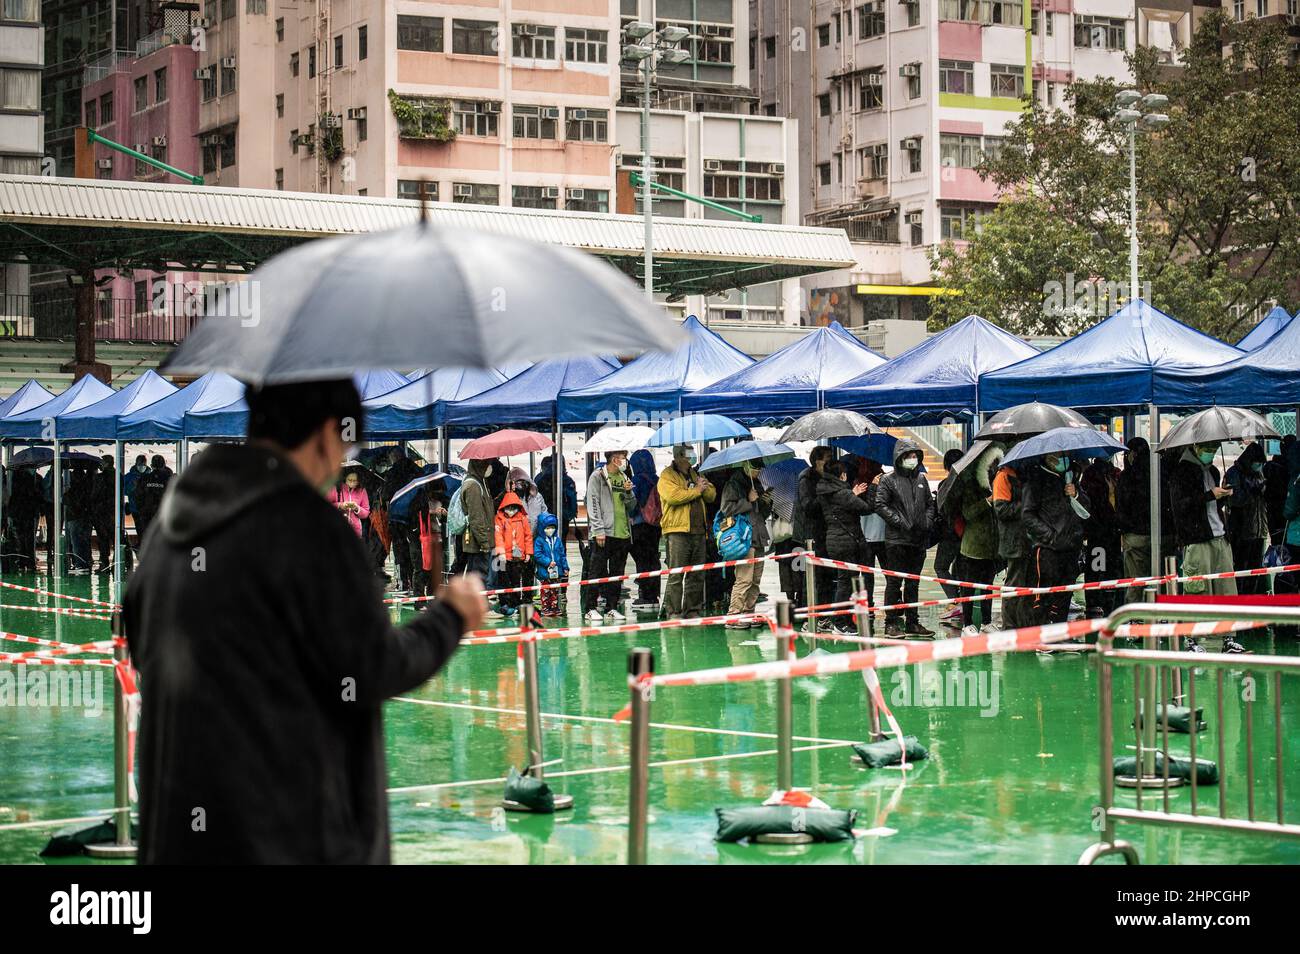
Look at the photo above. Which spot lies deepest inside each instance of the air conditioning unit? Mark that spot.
(914, 218)
(105, 163)
(880, 149)
(875, 79)
(203, 73)
(357, 112)
(712, 165)
(227, 62)
(139, 147)
(491, 107)
(909, 69)
(577, 114)
(463, 190)
(201, 22)
(550, 112)
(331, 120)
(213, 139)
(910, 144)
(551, 192)
(575, 194)
(160, 140)
(526, 29)
(776, 168)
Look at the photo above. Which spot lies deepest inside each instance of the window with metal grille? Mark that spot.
(875, 161)
(586, 125)
(956, 76)
(1099, 33)
(227, 80)
(475, 117)
(534, 122)
(913, 12)
(871, 90)
(586, 46)
(959, 222)
(419, 33)
(535, 197)
(474, 37)
(532, 41)
(1006, 80)
(871, 19)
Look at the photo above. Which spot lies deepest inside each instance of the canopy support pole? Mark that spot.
(6, 487)
(1153, 414)
(54, 547)
(557, 475)
(119, 528)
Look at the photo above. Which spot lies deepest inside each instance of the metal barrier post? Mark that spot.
(122, 846)
(784, 703)
(640, 665)
(863, 618)
(533, 719)
(1175, 641)
(809, 585)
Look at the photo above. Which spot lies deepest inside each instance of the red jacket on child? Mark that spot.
(513, 532)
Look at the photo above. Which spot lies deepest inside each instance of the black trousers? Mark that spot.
(511, 576)
(846, 582)
(400, 535)
(420, 580)
(904, 559)
(1018, 611)
(976, 571)
(645, 553)
(104, 540)
(1103, 560)
(1052, 568)
(1248, 554)
(946, 556)
(24, 530)
(607, 560)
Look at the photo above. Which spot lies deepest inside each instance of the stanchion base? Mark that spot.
(562, 802)
(1148, 781)
(112, 851)
(784, 838)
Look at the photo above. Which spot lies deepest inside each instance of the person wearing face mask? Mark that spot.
(1248, 516)
(1133, 515)
(401, 471)
(476, 542)
(1200, 527)
(609, 531)
(1052, 516)
(550, 562)
(842, 506)
(810, 524)
(744, 494)
(903, 500)
(268, 671)
(129, 482)
(352, 500)
(683, 493)
(514, 549)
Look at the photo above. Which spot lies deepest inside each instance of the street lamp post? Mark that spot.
(646, 47)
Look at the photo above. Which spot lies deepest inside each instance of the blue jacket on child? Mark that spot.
(548, 549)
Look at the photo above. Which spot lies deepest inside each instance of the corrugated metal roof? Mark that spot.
(107, 204)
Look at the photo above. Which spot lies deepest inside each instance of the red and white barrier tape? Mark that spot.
(57, 596)
(521, 636)
(864, 568)
(1202, 628)
(51, 660)
(58, 610)
(56, 645)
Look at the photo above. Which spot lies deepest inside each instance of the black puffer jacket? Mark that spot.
(809, 523)
(904, 502)
(1133, 494)
(1247, 507)
(1046, 515)
(1189, 497)
(842, 512)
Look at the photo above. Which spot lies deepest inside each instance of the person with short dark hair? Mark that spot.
(266, 654)
(610, 501)
(102, 512)
(149, 490)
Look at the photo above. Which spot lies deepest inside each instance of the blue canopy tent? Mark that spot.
(164, 420)
(1268, 377)
(1268, 326)
(935, 381)
(28, 396)
(230, 421)
(530, 397)
(789, 382)
(651, 388)
(1112, 366)
(415, 409)
(99, 421)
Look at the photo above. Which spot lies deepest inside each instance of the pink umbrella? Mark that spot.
(505, 443)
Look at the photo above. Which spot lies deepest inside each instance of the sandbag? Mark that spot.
(74, 841)
(889, 752)
(1207, 772)
(820, 824)
(1180, 718)
(533, 793)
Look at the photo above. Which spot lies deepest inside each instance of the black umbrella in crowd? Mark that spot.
(827, 423)
(1215, 425)
(1028, 420)
(956, 470)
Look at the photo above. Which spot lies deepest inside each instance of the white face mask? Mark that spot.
(550, 531)
(487, 471)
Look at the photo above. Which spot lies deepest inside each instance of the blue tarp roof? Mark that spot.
(1111, 365)
(652, 386)
(31, 423)
(1268, 326)
(529, 397)
(934, 380)
(1269, 376)
(164, 420)
(231, 420)
(98, 421)
(28, 396)
(789, 382)
(413, 409)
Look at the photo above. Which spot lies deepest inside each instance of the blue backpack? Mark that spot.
(733, 535)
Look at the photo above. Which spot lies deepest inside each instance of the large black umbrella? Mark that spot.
(419, 295)
(827, 423)
(1215, 425)
(1027, 420)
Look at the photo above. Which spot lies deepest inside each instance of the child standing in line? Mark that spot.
(514, 543)
(550, 562)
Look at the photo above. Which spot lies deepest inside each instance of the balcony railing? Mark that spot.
(116, 319)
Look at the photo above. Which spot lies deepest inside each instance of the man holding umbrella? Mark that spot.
(1052, 516)
(684, 491)
(1199, 525)
(234, 632)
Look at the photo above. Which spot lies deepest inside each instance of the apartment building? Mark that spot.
(22, 124)
(715, 78)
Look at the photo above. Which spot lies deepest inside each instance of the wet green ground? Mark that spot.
(1012, 774)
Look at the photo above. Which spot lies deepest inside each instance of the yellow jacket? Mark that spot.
(677, 499)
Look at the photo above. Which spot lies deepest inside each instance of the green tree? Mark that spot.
(1217, 195)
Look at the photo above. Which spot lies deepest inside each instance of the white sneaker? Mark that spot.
(594, 616)
(493, 614)
(615, 615)
(971, 630)
(988, 628)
